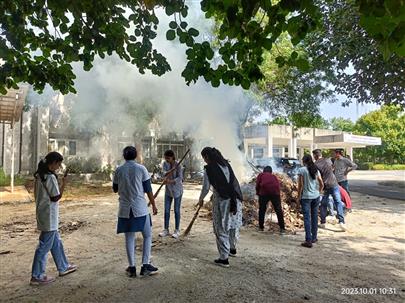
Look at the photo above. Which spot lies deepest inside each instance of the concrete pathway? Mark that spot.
(386, 184)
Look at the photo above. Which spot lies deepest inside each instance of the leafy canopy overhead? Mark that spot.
(39, 39)
(351, 60)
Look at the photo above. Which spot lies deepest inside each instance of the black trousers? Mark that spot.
(276, 201)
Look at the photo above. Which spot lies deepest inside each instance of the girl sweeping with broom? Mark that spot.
(226, 204)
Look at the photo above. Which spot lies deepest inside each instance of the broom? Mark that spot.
(188, 229)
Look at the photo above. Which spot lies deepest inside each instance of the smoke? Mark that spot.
(114, 100)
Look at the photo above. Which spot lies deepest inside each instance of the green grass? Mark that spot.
(5, 180)
(388, 167)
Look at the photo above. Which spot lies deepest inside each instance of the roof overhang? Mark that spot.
(12, 104)
(346, 140)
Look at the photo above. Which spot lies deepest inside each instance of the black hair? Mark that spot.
(214, 155)
(129, 153)
(169, 153)
(339, 151)
(309, 163)
(43, 165)
(317, 152)
(267, 169)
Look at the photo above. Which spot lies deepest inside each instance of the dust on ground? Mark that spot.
(268, 268)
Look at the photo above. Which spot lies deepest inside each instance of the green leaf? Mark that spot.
(184, 12)
(302, 64)
(193, 32)
(267, 44)
(245, 83)
(169, 10)
(170, 35)
(173, 25)
(183, 25)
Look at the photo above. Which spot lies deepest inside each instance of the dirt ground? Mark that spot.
(268, 268)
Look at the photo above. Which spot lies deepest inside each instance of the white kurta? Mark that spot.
(226, 225)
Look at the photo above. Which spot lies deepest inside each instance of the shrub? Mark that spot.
(92, 165)
(366, 165)
(5, 180)
(388, 167)
(77, 165)
(107, 170)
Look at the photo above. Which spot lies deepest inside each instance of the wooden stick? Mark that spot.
(188, 229)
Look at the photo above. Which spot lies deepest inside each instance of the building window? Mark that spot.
(62, 147)
(258, 152)
(178, 149)
(72, 148)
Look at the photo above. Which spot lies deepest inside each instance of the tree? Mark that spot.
(389, 124)
(286, 91)
(301, 119)
(342, 124)
(351, 59)
(40, 39)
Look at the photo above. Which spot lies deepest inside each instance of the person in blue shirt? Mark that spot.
(131, 181)
(174, 191)
(310, 185)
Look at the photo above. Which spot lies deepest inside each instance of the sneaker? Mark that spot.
(342, 226)
(71, 268)
(148, 270)
(232, 252)
(306, 244)
(131, 271)
(176, 234)
(223, 263)
(322, 225)
(164, 233)
(260, 229)
(314, 241)
(283, 231)
(42, 281)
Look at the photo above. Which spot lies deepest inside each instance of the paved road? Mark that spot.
(386, 184)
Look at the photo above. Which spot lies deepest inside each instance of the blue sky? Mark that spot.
(352, 111)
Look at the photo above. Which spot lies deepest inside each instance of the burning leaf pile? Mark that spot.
(289, 200)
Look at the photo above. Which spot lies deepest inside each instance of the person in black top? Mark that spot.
(226, 203)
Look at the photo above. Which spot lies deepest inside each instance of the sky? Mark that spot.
(351, 112)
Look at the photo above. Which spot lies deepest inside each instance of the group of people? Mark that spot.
(318, 181)
(321, 183)
(132, 181)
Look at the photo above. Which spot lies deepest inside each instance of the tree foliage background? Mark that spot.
(40, 39)
(389, 124)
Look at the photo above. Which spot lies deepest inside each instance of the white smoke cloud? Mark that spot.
(114, 98)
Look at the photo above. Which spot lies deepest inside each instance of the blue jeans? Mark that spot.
(310, 211)
(49, 241)
(345, 185)
(334, 191)
(168, 205)
(330, 206)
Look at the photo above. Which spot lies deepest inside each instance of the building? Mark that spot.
(261, 141)
(27, 136)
